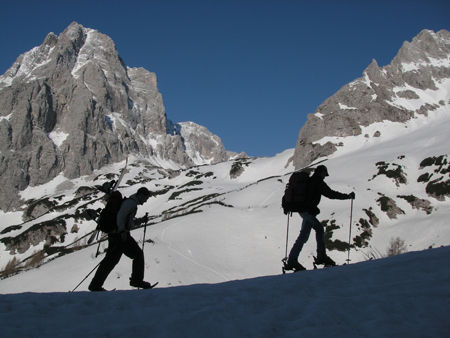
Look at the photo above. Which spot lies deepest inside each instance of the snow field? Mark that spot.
(402, 296)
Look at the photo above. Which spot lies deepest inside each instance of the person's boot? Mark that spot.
(325, 260)
(95, 288)
(140, 284)
(294, 265)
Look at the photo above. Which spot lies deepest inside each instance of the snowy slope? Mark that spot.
(178, 235)
(208, 227)
(403, 296)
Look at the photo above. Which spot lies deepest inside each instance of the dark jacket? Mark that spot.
(316, 189)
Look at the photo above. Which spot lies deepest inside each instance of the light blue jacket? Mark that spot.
(126, 214)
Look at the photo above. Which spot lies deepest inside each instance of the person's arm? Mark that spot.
(335, 195)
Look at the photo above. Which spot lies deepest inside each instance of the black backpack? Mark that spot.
(107, 221)
(296, 191)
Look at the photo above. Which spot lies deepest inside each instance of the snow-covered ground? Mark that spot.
(401, 296)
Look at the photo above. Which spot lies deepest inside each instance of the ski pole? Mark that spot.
(145, 230)
(287, 236)
(76, 287)
(98, 246)
(350, 231)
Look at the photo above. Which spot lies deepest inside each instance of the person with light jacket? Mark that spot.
(120, 242)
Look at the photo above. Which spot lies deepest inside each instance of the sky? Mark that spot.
(250, 71)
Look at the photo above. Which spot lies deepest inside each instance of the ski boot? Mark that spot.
(325, 261)
(96, 288)
(291, 266)
(142, 284)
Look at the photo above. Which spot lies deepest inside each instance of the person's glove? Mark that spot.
(351, 195)
(142, 220)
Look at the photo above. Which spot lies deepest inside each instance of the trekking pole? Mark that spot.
(350, 231)
(287, 236)
(102, 238)
(98, 246)
(76, 287)
(145, 230)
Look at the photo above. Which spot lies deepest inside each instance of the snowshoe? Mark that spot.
(325, 261)
(142, 284)
(94, 288)
(291, 266)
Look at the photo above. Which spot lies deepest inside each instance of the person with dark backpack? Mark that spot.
(311, 191)
(120, 241)
(295, 193)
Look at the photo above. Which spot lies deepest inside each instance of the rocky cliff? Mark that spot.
(72, 105)
(415, 82)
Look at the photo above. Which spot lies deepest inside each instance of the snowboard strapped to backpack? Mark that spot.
(296, 191)
(107, 221)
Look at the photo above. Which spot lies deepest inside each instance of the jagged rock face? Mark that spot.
(390, 93)
(202, 145)
(71, 106)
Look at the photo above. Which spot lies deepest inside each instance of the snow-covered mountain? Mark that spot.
(415, 83)
(71, 105)
(221, 222)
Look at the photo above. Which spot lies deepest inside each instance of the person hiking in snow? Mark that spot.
(120, 242)
(316, 188)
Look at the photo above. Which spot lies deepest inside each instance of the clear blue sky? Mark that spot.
(249, 71)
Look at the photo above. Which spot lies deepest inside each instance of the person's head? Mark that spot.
(143, 195)
(322, 171)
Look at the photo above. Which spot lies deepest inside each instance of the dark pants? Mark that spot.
(116, 247)
(309, 222)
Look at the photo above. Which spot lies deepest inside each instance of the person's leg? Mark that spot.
(108, 263)
(132, 250)
(301, 239)
(322, 257)
(320, 237)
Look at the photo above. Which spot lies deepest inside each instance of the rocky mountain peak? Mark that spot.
(396, 92)
(374, 72)
(71, 105)
(50, 40)
(427, 47)
(75, 33)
